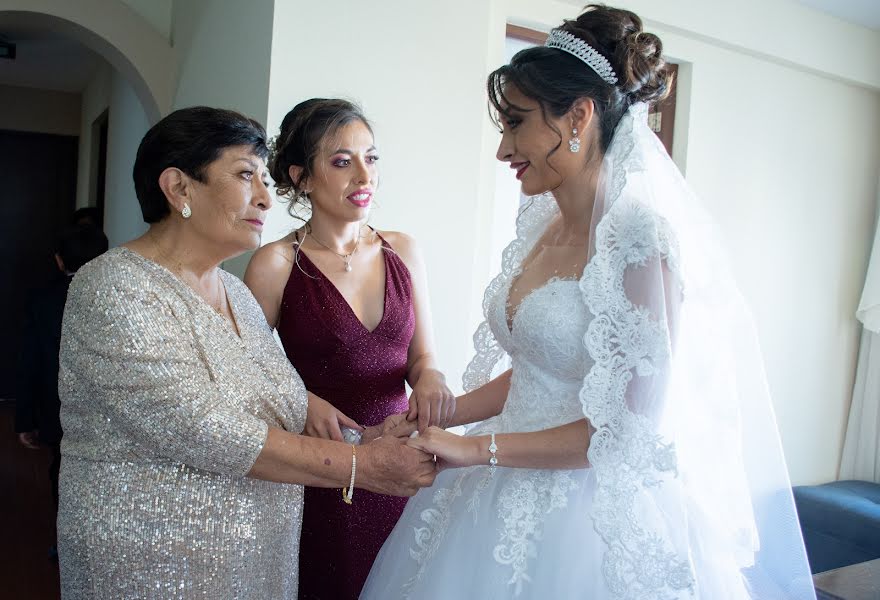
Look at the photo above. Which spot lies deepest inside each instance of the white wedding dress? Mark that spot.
(687, 495)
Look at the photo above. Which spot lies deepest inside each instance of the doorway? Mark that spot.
(38, 172)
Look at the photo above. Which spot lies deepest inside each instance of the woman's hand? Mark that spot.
(371, 432)
(394, 426)
(389, 466)
(323, 420)
(431, 402)
(451, 450)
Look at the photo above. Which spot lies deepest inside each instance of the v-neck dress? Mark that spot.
(362, 373)
(165, 410)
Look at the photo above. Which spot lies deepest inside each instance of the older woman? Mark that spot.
(182, 466)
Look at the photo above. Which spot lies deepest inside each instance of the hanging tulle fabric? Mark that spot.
(692, 497)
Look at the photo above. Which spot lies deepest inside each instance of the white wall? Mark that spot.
(775, 30)
(224, 48)
(783, 146)
(419, 76)
(43, 111)
(127, 125)
(157, 13)
(788, 167)
(225, 51)
(128, 122)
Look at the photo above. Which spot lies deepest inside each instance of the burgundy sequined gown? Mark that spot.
(362, 374)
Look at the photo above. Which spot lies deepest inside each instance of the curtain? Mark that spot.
(861, 449)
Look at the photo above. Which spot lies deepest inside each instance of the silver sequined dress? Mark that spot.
(165, 409)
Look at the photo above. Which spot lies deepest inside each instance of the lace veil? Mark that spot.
(692, 495)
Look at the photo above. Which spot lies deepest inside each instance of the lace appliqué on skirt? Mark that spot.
(526, 497)
(523, 505)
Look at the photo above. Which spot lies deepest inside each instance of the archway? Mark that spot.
(114, 31)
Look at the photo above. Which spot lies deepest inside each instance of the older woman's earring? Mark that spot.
(574, 144)
(187, 212)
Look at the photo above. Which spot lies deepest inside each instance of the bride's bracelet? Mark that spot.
(493, 459)
(348, 492)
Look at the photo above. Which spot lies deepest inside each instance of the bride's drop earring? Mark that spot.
(574, 144)
(187, 212)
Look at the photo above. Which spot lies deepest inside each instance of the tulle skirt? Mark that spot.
(519, 533)
(528, 534)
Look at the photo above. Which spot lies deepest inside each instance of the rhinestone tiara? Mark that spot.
(565, 41)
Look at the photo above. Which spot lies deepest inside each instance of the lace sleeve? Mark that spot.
(688, 500)
(632, 288)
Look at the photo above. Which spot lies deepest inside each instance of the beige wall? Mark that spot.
(782, 145)
(43, 111)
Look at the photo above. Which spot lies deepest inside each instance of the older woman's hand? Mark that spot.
(431, 401)
(323, 420)
(391, 467)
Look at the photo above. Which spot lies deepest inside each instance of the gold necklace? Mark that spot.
(346, 258)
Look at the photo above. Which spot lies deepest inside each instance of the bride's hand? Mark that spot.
(323, 420)
(451, 450)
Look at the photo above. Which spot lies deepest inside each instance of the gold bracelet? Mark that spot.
(348, 492)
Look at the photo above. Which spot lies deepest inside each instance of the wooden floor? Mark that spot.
(26, 513)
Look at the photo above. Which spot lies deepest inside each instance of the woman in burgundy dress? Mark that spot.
(351, 308)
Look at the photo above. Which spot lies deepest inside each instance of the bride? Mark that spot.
(631, 451)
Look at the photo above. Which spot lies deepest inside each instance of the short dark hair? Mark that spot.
(79, 244)
(189, 139)
(303, 130)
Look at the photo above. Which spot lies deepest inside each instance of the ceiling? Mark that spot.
(861, 12)
(46, 60)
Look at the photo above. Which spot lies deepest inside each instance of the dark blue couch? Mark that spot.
(840, 522)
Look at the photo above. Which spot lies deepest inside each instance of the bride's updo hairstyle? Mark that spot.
(556, 79)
